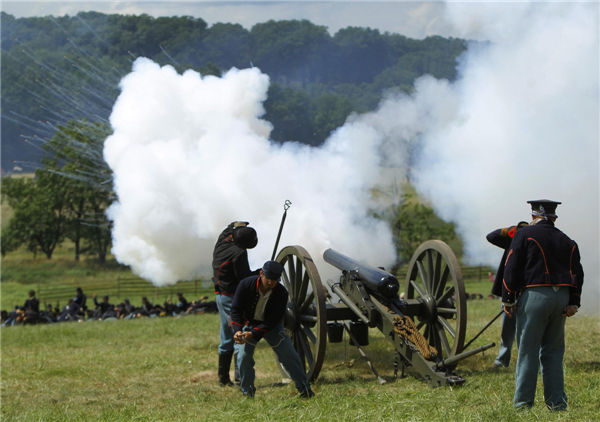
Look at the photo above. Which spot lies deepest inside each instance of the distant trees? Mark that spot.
(298, 116)
(66, 199)
(87, 54)
(290, 51)
(41, 211)
(414, 223)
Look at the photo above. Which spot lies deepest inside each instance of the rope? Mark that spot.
(406, 328)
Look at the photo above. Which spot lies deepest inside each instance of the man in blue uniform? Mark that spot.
(230, 266)
(543, 267)
(257, 311)
(503, 238)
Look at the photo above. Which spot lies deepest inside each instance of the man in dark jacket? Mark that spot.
(503, 238)
(32, 303)
(32, 309)
(230, 266)
(182, 304)
(257, 311)
(80, 299)
(103, 309)
(543, 267)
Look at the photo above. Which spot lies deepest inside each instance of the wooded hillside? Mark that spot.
(56, 69)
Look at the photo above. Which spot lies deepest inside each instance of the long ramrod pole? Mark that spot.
(286, 206)
(483, 329)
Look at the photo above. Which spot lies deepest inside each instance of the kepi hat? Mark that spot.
(272, 270)
(543, 207)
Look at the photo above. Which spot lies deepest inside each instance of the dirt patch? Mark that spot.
(204, 375)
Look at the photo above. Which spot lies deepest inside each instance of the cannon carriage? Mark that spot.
(426, 327)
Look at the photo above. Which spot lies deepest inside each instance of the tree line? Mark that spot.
(317, 79)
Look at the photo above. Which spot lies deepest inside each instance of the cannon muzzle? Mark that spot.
(453, 360)
(376, 281)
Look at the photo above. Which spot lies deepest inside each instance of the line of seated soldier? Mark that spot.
(76, 310)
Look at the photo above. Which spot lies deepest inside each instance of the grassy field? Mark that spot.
(164, 369)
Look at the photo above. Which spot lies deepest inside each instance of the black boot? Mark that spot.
(238, 380)
(224, 365)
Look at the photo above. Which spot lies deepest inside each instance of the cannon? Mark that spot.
(426, 327)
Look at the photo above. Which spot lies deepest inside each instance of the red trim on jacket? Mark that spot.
(219, 270)
(545, 262)
(508, 256)
(505, 286)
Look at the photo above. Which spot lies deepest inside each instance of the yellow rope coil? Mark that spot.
(406, 328)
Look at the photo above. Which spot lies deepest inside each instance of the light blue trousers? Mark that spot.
(541, 342)
(278, 339)
(224, 306)
(507, 338)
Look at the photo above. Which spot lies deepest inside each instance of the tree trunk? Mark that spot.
(77, 241)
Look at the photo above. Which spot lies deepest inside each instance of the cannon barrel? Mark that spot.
(452, 361)
(375, 280)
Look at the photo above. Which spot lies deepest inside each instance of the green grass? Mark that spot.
(164, 369)
(19, 275)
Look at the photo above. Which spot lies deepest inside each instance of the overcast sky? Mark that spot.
(413, 19)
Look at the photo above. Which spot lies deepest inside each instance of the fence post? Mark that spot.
(119, 288)
(480, 273)
(196, 287)
(155, 294)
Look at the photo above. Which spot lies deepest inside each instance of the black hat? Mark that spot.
(105, 297)
(179, 294)
(245, 237)
(543, 207)
(272, 270)
(79, 290)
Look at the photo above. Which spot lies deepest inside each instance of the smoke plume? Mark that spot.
(524, 125)
(191, 154)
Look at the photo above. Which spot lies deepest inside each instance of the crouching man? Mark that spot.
(257, 311)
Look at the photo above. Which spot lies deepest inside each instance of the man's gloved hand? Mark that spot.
(509, 309)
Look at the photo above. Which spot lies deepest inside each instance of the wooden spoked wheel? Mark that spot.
(434, 278)
(305, 317)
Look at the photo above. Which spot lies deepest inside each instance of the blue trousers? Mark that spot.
(541, 342)
(224, 307)
(507, 338)
(283, 348)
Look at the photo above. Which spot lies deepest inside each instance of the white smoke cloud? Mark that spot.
(526, 127)
(190, 154)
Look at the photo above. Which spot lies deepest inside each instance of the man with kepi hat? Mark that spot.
(544, 271)
(257, 311)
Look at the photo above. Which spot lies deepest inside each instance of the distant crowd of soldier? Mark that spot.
(77, 310)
